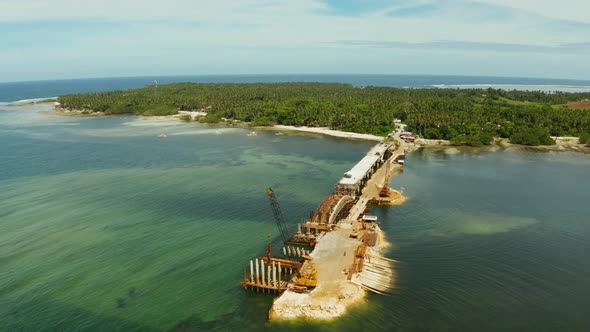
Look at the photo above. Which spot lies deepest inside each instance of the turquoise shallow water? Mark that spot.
(105, 227)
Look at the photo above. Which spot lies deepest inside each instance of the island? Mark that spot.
(472, 117)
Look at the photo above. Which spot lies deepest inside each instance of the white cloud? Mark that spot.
(574, 10)
(192, 10)
(294, 23)
(206, 36)
(246, 10)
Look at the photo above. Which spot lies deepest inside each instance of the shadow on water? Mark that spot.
(248, 318)
(53, 316)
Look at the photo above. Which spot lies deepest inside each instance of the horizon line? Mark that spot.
(286, 74)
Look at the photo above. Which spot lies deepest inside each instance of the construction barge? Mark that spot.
(335, 255)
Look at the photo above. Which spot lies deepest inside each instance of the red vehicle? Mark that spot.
(385, 192)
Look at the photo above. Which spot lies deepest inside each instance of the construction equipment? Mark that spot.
(307, 278)
(278, 214)
(355, 233)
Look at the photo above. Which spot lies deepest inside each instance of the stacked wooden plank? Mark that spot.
(377, 275)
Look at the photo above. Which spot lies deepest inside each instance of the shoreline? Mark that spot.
(35, 101)
(326, 131)
(562, 143)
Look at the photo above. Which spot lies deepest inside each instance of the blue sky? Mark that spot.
(54, 39)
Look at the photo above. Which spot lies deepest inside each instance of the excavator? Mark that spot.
(307, 277)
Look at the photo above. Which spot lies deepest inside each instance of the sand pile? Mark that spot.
(321, 303)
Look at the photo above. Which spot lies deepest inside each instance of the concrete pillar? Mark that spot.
(272, 271)
(263, 281)
(269, 274)
(251, 271)
(280, 271)
(284, 251)
(280, 276)
(257, 272)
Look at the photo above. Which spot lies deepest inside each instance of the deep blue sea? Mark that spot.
(40, 89)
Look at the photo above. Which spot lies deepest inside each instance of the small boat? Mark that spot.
(252, 133)
(162, 136)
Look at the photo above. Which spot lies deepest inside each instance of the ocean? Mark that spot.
(106, 227)
(12, 91)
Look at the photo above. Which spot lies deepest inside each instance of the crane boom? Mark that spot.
(278, 214)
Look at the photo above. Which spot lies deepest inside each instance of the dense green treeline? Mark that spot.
(539, 96)
(467, 116)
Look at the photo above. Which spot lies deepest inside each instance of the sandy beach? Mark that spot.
(328, 132)
(193, 114)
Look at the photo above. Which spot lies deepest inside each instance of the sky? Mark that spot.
(60, 39)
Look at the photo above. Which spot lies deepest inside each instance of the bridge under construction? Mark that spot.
(336, 245)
